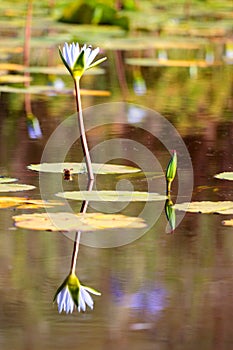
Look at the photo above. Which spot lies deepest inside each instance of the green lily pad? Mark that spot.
(15, 187)
(26, 203)
(66, 222)
(80, 168)
(225, 176)
(206, 207)
(4, 180)
(112, 196)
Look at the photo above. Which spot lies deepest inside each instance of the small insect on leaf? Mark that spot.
(67, 174)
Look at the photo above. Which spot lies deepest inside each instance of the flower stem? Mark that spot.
(168, 192)
(82, 131)
(78, 233)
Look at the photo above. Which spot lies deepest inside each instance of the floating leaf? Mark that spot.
(225, 176)
(72, 222)
(4, 180)
(112, 196)
(61, 70)
(206, 207)
(11, 67)
(26, 203)
(45, 90)
(14, 78)
(152, 62)
(80, 168)
(15, 187)
(228, 222)
(145, 43)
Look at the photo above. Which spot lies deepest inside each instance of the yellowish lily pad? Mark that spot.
(15, 187)
(60, 70)
(4, 180)
(80, 168)
(112, 196)
(152, 62)
(44, 90)
(26, 203)
(14, 78)
(206, 207)
(227, 175)
(11, 67)
(228, 222)
(66, 222)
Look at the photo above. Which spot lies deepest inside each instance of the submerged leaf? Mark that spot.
(72, 222)
(15, 187)
(80, 168)
(112, 196)
(206, 207)
(227, 175)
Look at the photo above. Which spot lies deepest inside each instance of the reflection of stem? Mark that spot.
(121, 73)
(78, 233)
(82, 130)
(168, 188)
(26, 58)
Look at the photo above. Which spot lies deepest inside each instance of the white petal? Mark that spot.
(81, 301)
(91, 290)
(86, 296)
(92, 56)
(65, 301)
(74, 52)
(67, 54)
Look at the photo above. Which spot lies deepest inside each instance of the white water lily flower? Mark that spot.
(65, 301)
(72, 294)
(84, 297)
(77, 60)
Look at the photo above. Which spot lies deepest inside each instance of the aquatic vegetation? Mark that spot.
(77, 61)
(170, 214)
(206, 207)
(80, 168)
(112, 196)
(68, 222)
(227, 175)
(171, 171)
(26, 203)
(9, 187)
(72, 294)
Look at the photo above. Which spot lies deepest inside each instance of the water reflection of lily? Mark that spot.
(170, 214)
(77, 60)
(33, 125)
(151, 298)
(72, 294)
(171, 171)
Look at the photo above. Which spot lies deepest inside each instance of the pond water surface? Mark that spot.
(161, 291)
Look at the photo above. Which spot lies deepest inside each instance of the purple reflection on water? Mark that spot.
(151, 298)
